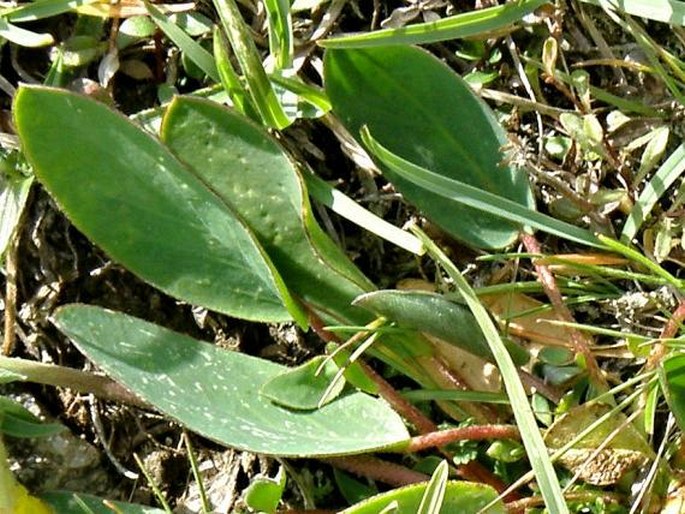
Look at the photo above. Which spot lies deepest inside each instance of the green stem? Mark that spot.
(80, 381)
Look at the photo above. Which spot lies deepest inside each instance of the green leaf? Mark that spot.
(7, 376)
(14, 190)
(461, 497)
(672, 378)
(478, 23)
(664, 177)
(252, 174)
(434, 494)
(201, 57)
(215, 392)
(23, 37)
(65, 502)
(462, 193)
(129, 195)
(441, 126)
(281, 46)
(264, 493)
(17, 421)
(263, 96)
(430, 313)
(302, 388)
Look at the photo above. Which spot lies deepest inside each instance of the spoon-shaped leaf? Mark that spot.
(422, 111)
(216, 392)
(134, 199)
(251, 173)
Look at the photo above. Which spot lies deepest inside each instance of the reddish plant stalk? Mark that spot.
(377, 469)
(473, 470)
(669, 331)
(472, 433)
(580, 341)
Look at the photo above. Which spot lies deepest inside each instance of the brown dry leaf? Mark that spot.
(533, 326)
(128, 8)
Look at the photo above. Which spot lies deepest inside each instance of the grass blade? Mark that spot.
(23, 37)
(665, 176)
(470, 24)
(434, 495)
(478, 198)
(281, 44)
(200, 56)
(42, 9)
(344, 206)
(530, 434)
(263, 96)
(229, 78)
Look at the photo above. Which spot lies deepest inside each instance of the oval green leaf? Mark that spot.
(462, 497)
(422, 111)
(134, 199)
(303, 387)
(251, 173)
(215, 392)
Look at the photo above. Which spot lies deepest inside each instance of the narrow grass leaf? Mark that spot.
(281, 46)
(479, 23)
(215, 392)
(23, 37)
(476, 198)
(667, 11)
(14, 190)
(240, 98)
(434, 495)
(530, 434)
(263, 96)
(664, 178)
(43, 9)
(641, 259)
(344, 206)
(201, 57)
(140, 204)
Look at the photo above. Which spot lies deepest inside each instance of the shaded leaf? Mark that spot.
(441, 126)
(144, 208)
(302, 388)
(17, 421)
(66, 502)
(216, 392)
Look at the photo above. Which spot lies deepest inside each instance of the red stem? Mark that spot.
(472, 433)
(580, 341)
(378, 469)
